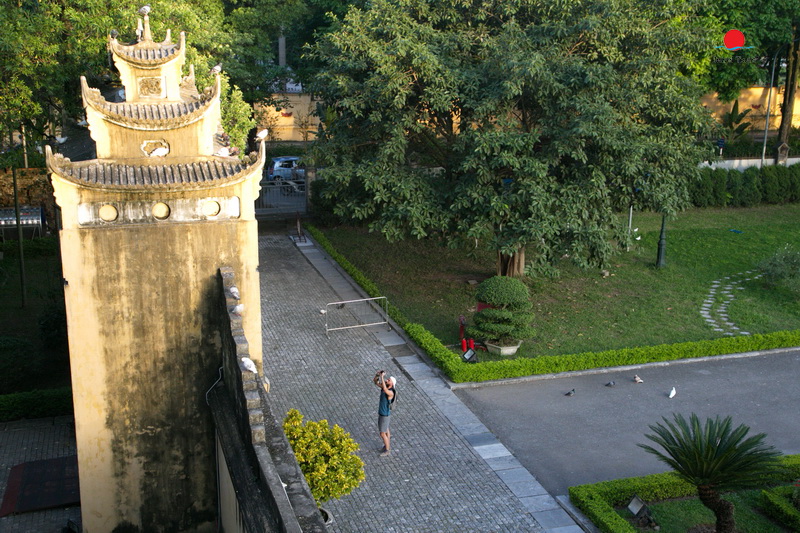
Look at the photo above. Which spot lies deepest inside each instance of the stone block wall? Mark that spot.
(271, 492)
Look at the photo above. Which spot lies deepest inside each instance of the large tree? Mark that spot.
(516, 125)
(715, 457)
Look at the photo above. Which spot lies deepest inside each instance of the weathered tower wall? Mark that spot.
(146, 227)
(145, 349)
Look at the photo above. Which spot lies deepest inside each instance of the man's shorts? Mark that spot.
(383, 423)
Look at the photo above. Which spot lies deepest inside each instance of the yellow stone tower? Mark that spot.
(146, 226)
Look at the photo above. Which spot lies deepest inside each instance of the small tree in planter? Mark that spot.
(326, 456)
(507, 322)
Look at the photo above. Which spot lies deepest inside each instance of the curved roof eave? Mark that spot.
(148, 54)
(179, 113)
(204, 173)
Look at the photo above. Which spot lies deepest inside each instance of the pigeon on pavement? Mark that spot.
(610, 384)
(570, 393)
(637, 379)
(672, 393)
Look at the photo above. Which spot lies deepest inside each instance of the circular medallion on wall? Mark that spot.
(211, 208)
(108, 213)
(161, 211)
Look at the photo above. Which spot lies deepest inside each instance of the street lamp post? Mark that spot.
(661, 260)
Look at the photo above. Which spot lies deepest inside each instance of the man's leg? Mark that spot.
(386, 436)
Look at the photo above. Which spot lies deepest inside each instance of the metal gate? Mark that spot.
(356, 314)
(282, 197)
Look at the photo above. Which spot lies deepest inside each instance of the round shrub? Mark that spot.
(504, 292)
(782, 269)
(326, 456)
(509, 318)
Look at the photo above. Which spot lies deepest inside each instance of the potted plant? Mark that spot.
(506, 321)
(326, 456)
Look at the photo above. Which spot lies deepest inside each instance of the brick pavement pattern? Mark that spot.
(434, 481)
(34, 440)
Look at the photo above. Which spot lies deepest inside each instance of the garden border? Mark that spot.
(597, 500)
(461, 372)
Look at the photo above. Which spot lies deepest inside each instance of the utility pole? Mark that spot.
(19, 240)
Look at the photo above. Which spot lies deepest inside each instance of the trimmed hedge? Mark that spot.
(774, 184)
(36, 404)
(598, 500)
(461, 372)
(777, 504)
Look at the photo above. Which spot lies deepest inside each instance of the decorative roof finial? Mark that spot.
(144, 11)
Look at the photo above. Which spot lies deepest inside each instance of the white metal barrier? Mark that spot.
(356, 314)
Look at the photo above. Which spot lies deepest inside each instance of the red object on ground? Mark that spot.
(472, 344)
(463, 345)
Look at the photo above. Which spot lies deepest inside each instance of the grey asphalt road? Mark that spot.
(593, 435)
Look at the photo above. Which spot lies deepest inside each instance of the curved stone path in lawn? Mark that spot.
(722, 292)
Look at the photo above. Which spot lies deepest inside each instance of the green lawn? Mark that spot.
(582, 311)
(677, 516)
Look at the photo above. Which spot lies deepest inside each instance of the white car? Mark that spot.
(286, 168)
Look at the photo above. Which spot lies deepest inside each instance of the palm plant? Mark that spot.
(732, 122)
(715, 458)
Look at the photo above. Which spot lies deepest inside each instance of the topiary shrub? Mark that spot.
(775, 184)
(719, 187)
(508, 319)
(793, 177)
(326, 456)
(734, 187)
(750, 191)
(701, 189)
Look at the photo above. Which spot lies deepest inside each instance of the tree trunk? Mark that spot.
(512, 266)
(787, 108)
(722, 509)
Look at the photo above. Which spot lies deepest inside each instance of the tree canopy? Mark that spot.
(511, 124)
(48, 45)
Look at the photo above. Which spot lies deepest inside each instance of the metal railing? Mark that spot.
(351, 314)
(281, 196)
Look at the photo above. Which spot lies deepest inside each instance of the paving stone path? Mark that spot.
(714, 309)
(435, 480)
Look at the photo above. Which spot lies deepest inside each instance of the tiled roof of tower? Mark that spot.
(150, 116)
(148, 53)
(194, 174)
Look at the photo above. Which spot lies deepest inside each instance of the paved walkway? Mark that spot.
(447, 472)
